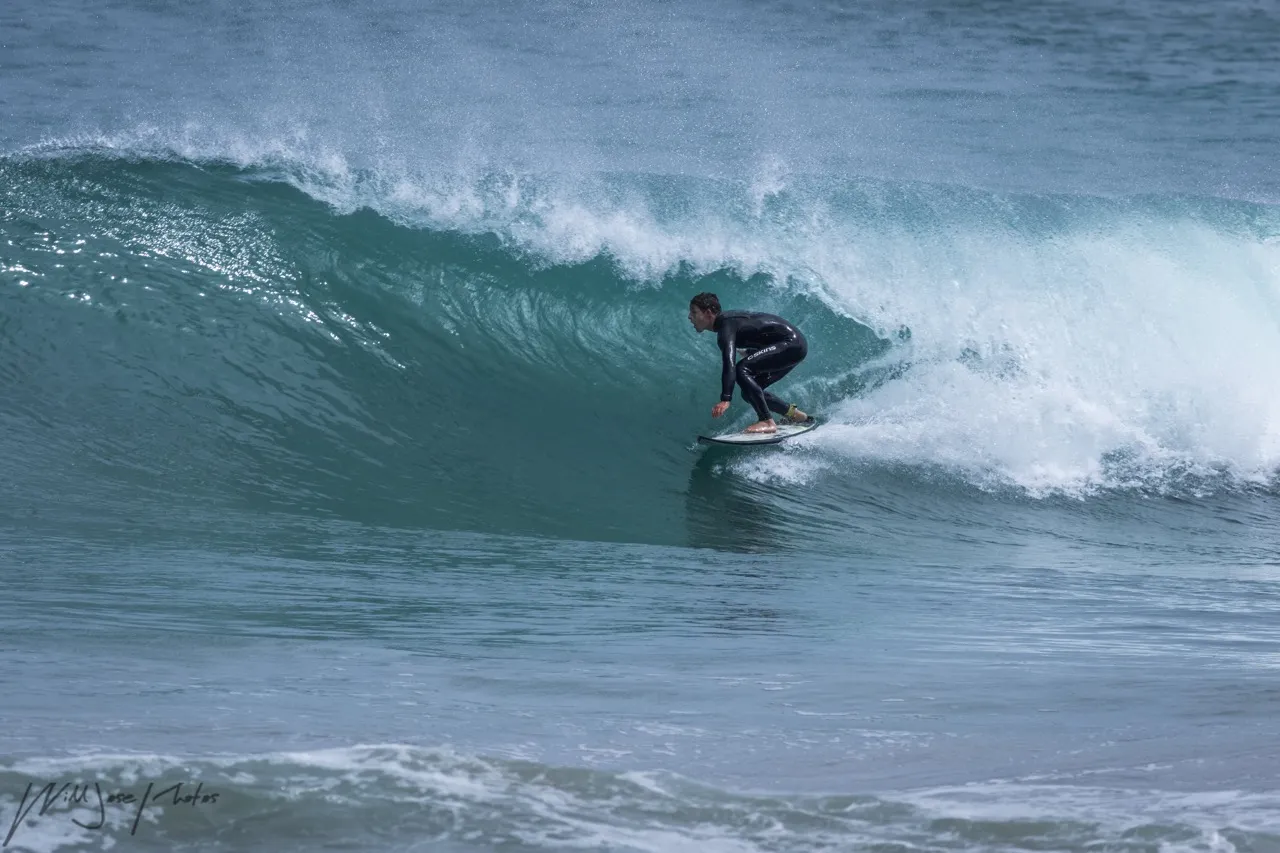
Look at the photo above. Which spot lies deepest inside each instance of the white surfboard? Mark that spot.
(784, 432)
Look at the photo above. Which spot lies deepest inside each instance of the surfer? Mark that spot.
(772, 346)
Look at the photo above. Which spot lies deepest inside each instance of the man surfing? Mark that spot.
(772, 347)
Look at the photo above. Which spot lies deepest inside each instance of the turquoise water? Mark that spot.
(347, 461)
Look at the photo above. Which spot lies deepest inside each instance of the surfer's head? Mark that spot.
(703, 310)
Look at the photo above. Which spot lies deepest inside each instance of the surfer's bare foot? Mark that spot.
(797, 417)
(763, 426)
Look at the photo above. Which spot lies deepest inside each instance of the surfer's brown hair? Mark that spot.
(706, 302)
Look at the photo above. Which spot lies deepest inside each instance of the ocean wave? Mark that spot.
(274, 324)
(391, 796)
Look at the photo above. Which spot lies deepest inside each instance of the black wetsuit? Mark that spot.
(773, 347)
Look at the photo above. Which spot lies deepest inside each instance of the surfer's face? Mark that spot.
(701, 320)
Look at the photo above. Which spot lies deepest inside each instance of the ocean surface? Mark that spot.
(349, 490)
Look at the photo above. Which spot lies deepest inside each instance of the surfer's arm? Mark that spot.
(728, 353)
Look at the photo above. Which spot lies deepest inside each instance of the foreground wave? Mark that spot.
(392, 797)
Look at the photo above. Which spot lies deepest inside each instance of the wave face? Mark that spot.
(508, 351)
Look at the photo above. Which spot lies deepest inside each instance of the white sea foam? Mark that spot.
(468, 799)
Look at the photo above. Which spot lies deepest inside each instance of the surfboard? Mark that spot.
(784, 432)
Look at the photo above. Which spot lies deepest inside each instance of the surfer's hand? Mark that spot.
(719, 408)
